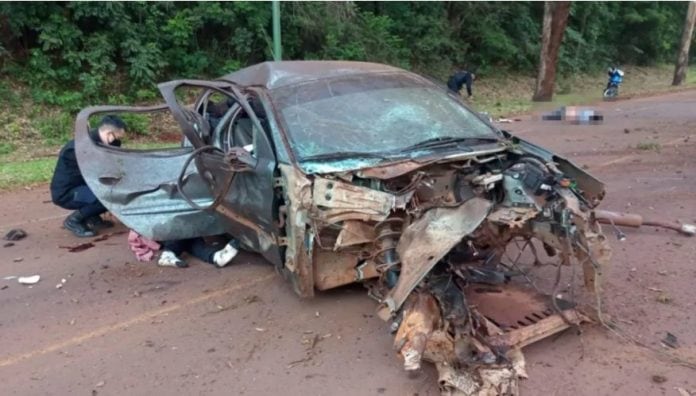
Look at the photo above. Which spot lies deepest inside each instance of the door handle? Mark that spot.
(109, 180)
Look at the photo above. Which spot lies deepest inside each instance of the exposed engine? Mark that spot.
(434, 245)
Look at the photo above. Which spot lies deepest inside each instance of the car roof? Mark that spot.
(273, 75)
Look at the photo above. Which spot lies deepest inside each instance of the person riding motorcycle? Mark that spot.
(615, 76)
(615, 79)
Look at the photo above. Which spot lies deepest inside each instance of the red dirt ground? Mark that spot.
(118, 327)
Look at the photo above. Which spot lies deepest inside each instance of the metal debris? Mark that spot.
(670, 340)
(15, 234)
(29, 280)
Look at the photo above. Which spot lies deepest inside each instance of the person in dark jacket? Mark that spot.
(69, 189)
(459, 79)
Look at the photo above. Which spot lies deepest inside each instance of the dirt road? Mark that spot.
(118, 327)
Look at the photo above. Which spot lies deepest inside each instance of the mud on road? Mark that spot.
(119, 326)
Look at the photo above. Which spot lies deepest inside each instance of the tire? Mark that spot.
(611, 92)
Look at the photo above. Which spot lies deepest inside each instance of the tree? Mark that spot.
(555, 20)
(687, 33)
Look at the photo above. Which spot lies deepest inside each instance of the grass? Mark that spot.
(26, 173)
(18, 172)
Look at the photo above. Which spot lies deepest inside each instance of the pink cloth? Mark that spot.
(143, 248)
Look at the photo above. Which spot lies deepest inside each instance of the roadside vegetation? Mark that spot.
(56, 58)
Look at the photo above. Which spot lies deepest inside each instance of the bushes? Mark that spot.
(55, 128)
(76, 53)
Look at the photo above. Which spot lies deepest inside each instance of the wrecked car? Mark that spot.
(345, 172)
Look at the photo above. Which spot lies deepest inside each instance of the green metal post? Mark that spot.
(277, 49)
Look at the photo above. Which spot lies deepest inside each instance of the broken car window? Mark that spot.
(376, 113)
(146, 131)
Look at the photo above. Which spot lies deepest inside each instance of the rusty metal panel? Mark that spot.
(519, 315)
(354, 233)
(392, 170)
(421, 318)
(511, 307)
(343, 199)
(332, 269)
(428, 239)
(543, 328)
(298, 257)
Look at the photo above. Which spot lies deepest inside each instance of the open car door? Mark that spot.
(143, 187)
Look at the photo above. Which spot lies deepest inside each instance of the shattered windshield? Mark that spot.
(373, 115)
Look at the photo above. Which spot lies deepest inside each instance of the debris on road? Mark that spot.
(15, 234)
(252, 299)
(218, 308)
(88, 245)
(664, 298)
(107, 236)
(659, 379)
(670, 340)
(78, 248)
(18, 259)
(682, 391)
(8, 244)
(310, 339)
(636, 221)
(29, 280)
(299, 361)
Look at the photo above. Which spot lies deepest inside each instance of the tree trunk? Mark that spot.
(687, 33)
(555, 20)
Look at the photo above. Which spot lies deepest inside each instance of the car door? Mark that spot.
(140, 187)
(250, 204)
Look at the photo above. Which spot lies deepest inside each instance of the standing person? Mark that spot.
(459, 79)
(69, 189)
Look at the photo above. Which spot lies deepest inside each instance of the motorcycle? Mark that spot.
(615, 79)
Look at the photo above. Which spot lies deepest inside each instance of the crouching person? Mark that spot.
(217, 254)
(69, 189)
